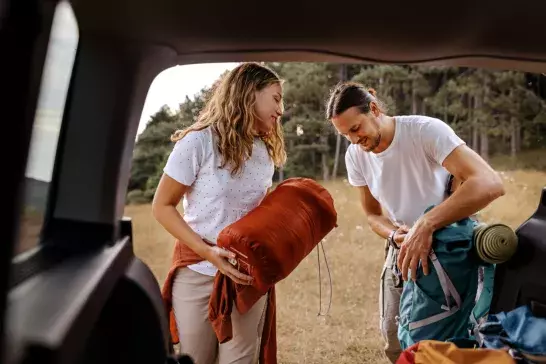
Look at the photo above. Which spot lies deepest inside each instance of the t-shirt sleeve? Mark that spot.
(186, 158)
(439, 140)
(354, 174)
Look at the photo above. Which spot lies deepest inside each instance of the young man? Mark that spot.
(401, 165)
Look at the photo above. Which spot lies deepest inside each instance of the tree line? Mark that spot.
(495, 112)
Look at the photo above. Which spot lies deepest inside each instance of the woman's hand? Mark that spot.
(218, 257)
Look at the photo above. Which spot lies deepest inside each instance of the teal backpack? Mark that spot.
(442, 306)
(483, 298)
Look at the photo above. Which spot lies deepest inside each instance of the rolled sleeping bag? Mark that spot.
(495, 243)
(272, 239)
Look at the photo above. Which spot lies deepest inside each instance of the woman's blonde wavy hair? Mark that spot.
(230, 112)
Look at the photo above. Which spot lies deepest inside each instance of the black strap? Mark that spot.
(391, 241)
(449, 185)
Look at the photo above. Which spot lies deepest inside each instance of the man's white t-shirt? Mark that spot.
(408, 176)
(215, 198)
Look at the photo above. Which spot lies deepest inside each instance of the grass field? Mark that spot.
(349, 334)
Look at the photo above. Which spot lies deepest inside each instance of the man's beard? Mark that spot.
(374, 145)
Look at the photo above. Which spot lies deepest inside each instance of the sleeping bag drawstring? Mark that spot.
(320, 280)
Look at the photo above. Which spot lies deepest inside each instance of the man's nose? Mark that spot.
(353, 138)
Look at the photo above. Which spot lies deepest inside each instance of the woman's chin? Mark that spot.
(265, 131)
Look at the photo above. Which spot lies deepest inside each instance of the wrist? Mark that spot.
(392, 238)
(204, 250)
(426, 223)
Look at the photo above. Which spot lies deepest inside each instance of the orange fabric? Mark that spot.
(182, 257)
(223, 293)
(433, 352)
(276, 236)
(270, 241)
(244, 298)
(408, 356)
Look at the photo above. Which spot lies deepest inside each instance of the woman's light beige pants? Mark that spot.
(191, 294)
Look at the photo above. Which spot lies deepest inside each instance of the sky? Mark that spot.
(53, 89)
(172, 86)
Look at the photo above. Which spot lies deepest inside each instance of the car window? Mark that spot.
(47, 124)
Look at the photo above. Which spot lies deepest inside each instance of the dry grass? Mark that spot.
(349, 334)
(523, 189)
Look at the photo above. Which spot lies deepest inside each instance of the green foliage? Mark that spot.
(499, 113)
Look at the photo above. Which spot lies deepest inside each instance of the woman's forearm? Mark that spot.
(169, 217)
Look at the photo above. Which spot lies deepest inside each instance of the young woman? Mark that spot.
(222, 167)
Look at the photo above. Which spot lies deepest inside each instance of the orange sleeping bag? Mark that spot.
(272, 239)
(434, 352)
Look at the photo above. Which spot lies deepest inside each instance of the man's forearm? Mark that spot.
(381, 225)
(471, 196)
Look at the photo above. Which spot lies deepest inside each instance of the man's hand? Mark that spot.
(416, 247)
(400, 234)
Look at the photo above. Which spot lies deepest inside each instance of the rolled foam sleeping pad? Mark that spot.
(495, 243)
